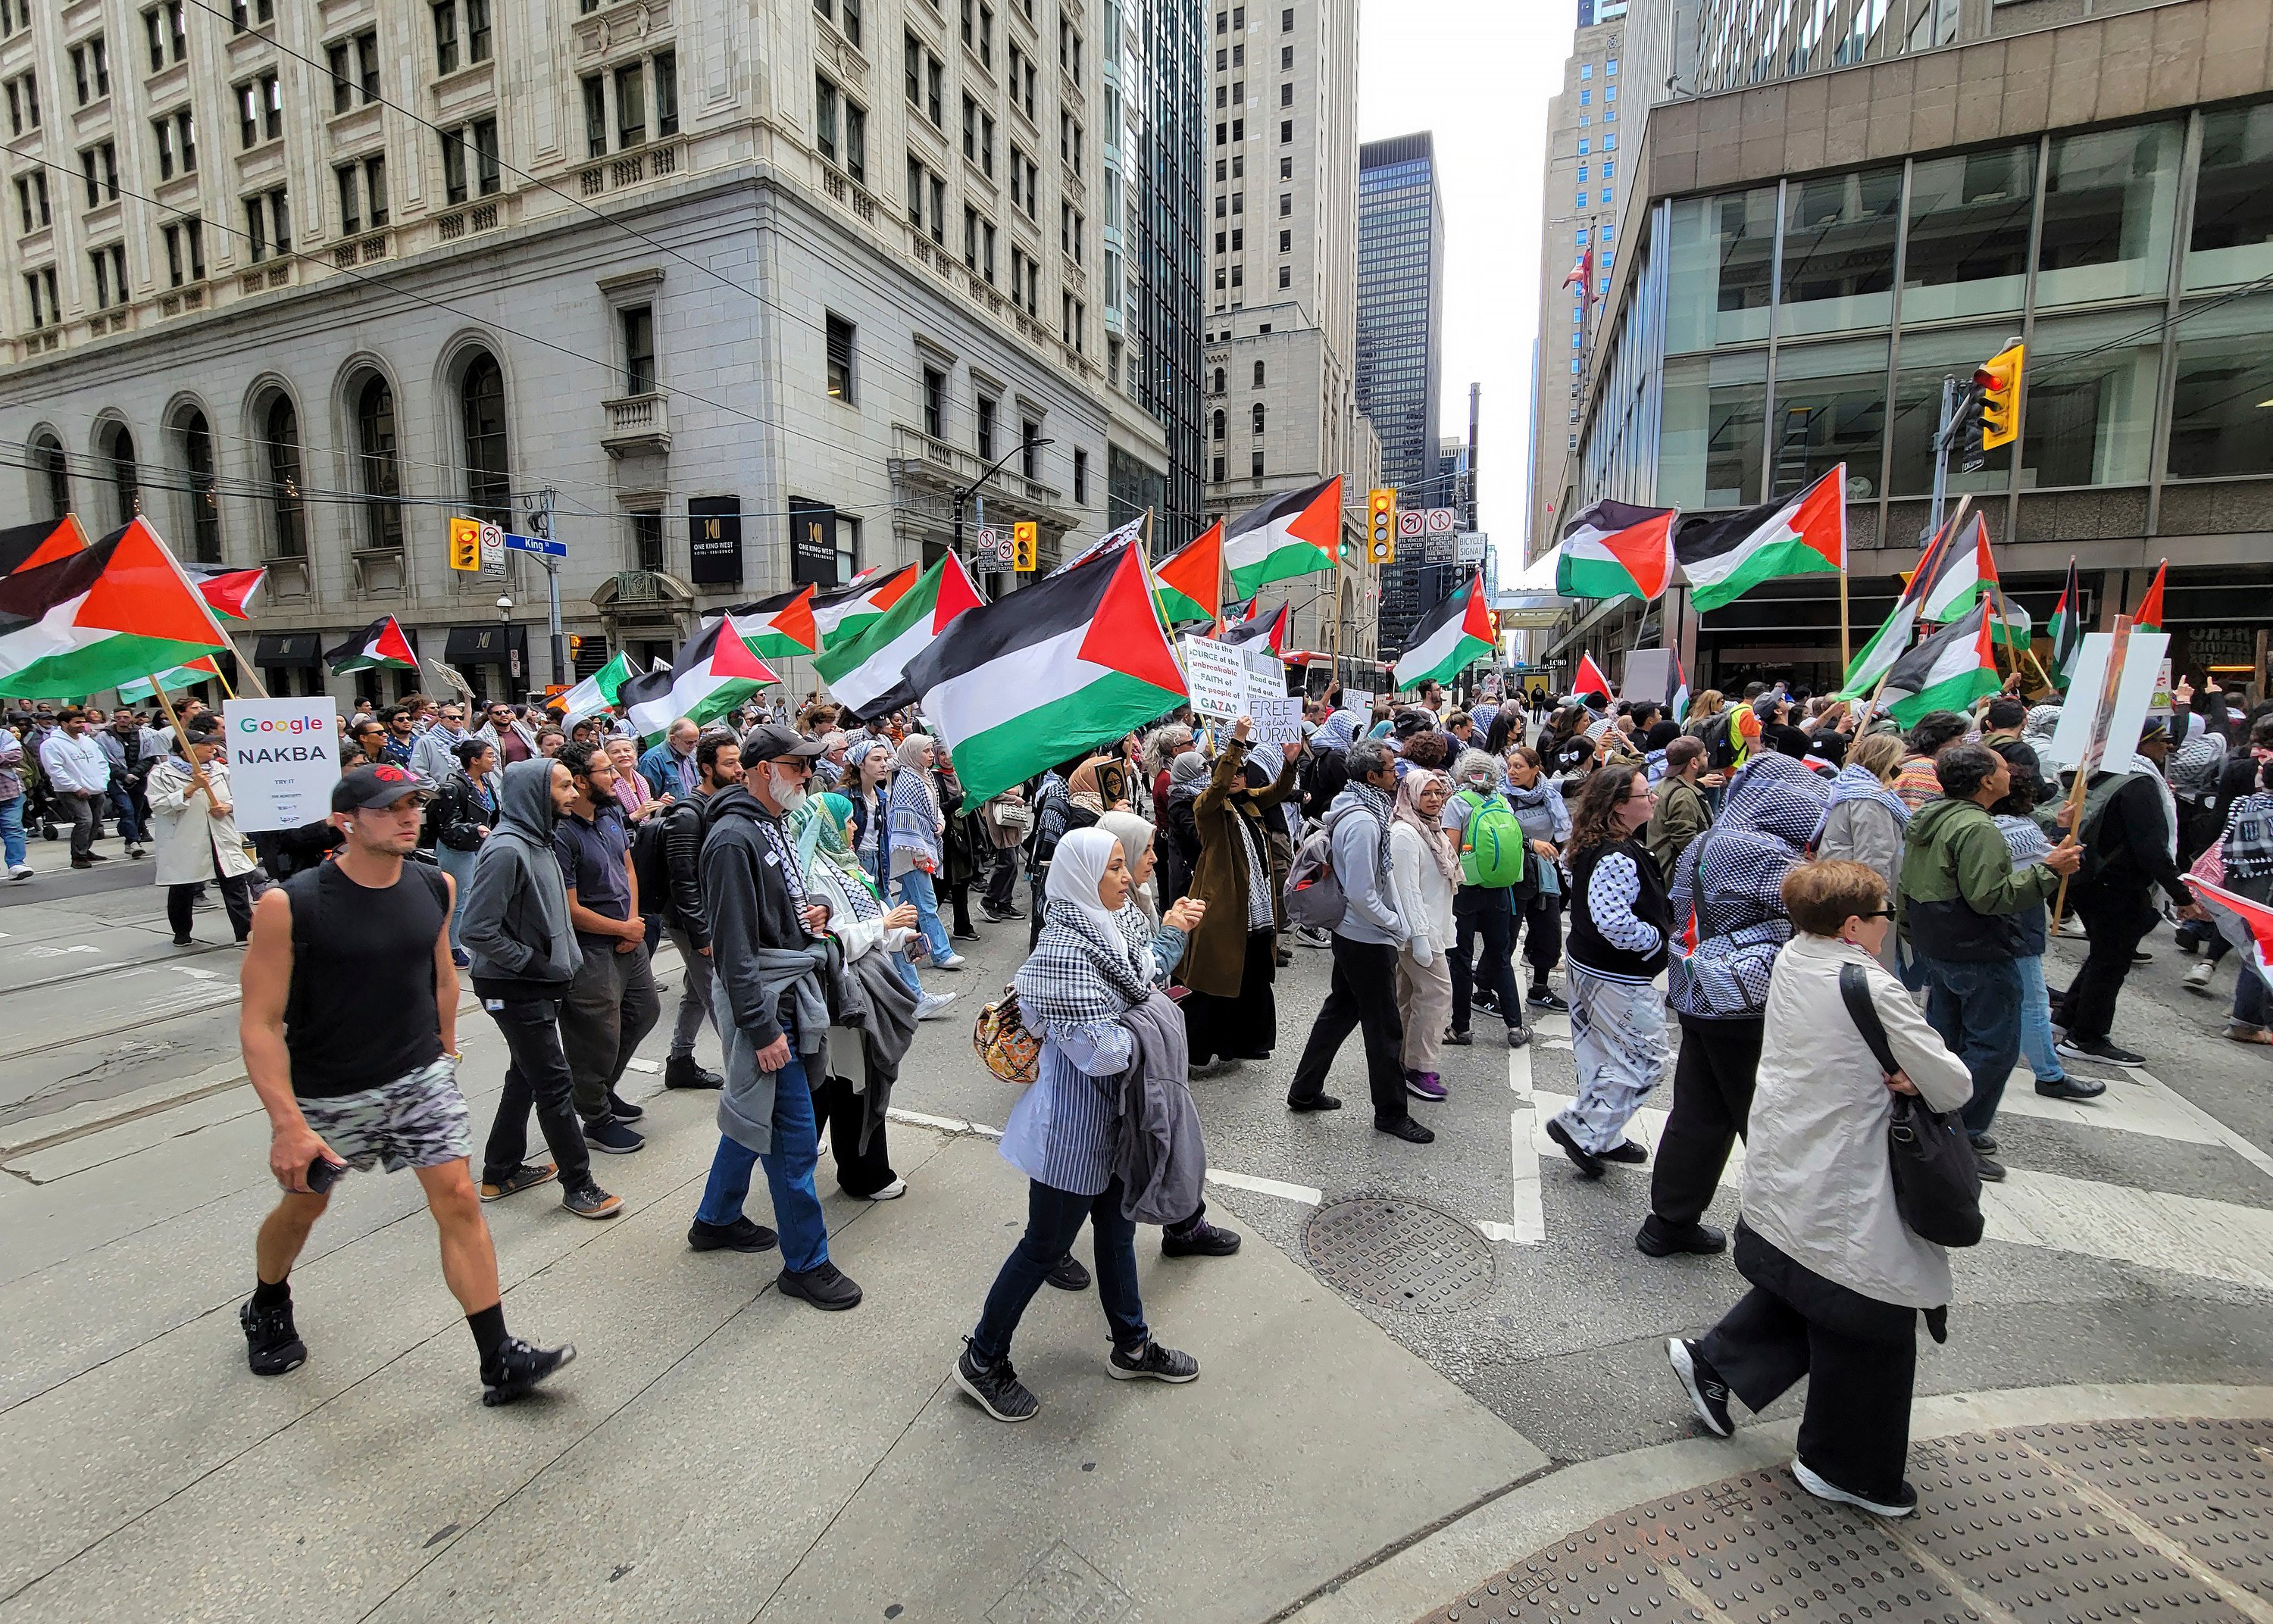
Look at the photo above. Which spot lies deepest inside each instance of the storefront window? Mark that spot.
(1722, 254)
(1710, 441)
(2090, 420)
(2233, 236)
(1831, 408)
(1969, 235)
(2108, 202)
(1926, 358)
(1839, 251)
(2222, 400)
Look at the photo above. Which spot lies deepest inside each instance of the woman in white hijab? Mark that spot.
(1136, 837)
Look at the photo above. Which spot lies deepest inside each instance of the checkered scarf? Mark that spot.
(1376, 804)
(1076, 976)
(1731, 879)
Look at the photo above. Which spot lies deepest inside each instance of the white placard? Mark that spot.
(1265, 676)
(2161, 705)
(1472, 544)
(2140, 665)
(1216, 675)
(1359, 700)
(1277, 721)
(283, 759)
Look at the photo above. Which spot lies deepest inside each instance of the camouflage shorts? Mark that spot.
(415, 1121)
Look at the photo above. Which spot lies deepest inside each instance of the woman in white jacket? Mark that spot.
(1425, 872)
(197, 837)
(1838, 1278)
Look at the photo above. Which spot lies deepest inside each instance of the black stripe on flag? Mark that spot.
(1034, 614)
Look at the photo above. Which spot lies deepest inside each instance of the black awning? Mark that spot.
(486, 645)
(288, 650)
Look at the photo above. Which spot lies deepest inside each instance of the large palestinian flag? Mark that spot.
(1805, 534)
(1448, 638)
(842, 615)
(1016, 686)
(2067, 627)
(712, 673)
(1948, 671)
(867, 674)
(1189, 580)
(783, 626)
(1614, 550)
(227, 587)
(380, 646)
(27, 546)
(1270, 631)
(1293, 534)
(1876, 657)
(99, 615)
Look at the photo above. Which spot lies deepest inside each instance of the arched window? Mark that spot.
(126, 482)
(279, 430)
(481, 398)
(378, 470)
(203, 494)
(1258, 417)
(1219, 381)
(1216, 426)
(53, 473)
(1258, 375)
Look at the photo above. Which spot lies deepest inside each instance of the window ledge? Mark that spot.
(446, 87)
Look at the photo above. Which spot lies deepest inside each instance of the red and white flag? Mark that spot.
(2256, 917)
(1582, 271)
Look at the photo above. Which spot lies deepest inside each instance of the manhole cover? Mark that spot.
(1397, 1252)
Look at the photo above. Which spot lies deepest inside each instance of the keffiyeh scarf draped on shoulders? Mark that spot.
(818, 828)
(1335, 732)
(1086, 967)
(1377, 804)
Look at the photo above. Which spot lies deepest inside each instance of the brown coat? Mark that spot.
(1215, 958)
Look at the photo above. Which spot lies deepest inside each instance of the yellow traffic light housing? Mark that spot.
(465, 543)
(1024, 537)
(1380, 526)
(1999, 378)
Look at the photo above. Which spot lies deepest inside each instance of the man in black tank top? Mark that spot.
(350, 1028)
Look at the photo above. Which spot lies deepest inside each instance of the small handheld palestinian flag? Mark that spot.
(227, 587)
(2067, 627)
(1948, 671)
(713, 672)
(1805, 534)
(784, 626)
(1590, 680)
(198, 670)
(1614, 550)
(867, 674)
(381, 646)
(1189, 580)
(95, 616)
(2148, 615)
(1293, 534)
(2256, 918)
(1271, 632)
(1448, 638)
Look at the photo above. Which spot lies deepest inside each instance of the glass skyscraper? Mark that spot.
(1400, 325)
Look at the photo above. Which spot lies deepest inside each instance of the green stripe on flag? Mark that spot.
(1951, 693)
(1175, 607)
(1792, 557)
(104, 663)
(1286, 562)
(1012, 751)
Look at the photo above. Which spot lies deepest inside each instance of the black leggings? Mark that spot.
(236, 895)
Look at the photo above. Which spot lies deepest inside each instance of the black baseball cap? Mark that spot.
(366, 789)
(769, 741)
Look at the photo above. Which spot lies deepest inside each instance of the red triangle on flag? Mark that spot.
(1475, 620)
(1590, 678)
(143, 592)
(2148, 615)
(390, 644)
(893, 590)
(1820, 519)
(956, 593)
(731, 657)
(1984, 562)
(1644, 552)
(794, 619)
(1197, 569)
(1125, 634)
(1320, 523)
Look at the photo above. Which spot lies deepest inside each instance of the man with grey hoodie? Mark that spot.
(513, 921)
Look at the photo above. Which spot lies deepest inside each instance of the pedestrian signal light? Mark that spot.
(575, 647)
(1025, 536)
(465, 543)
(1999, 379)
(1380, 526)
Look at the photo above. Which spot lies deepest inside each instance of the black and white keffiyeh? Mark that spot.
(1076, 976)
(1376, 802)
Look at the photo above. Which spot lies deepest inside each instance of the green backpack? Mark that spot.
(1491, 843)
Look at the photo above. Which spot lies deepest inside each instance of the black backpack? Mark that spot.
(651, 860)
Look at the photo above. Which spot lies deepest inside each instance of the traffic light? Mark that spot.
(575, 647)
(1999, 379)
(1380, 526)
(1025, 536)
(465, 543)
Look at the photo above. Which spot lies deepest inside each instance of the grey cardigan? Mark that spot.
(1157, 1151)
(1817, 1184)
(1861, 830)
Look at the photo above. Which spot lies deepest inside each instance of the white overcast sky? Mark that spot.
(1478, 73)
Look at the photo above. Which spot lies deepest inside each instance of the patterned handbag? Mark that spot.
(1004, 1045)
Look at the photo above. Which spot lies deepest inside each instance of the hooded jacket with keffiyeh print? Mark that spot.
(1731, 877)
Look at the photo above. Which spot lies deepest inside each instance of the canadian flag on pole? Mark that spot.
(1582, 270)
(2256, 917)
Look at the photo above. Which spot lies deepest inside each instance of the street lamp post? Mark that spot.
(971, 489)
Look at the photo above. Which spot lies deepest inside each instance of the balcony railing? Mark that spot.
(641, 586)
(918, 458)
(637, 423)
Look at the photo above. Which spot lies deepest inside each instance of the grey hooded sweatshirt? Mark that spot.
(513, 917)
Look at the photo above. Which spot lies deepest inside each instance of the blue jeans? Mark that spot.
(2036, 1022)
(916, 887)
(1053, 1221)
(12, 831)
(131, 828)
(2252, 1000)
(1976, 1009)
(789, 1174)
(459, 866)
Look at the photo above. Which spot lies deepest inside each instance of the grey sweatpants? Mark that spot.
(694, 995)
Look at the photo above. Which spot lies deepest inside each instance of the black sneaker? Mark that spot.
(681, 1071)
(1586, 1161)
(1406, 1129)
(1625, 1150)
(623, 1110)
(611, 1137)
(995, 1388)
(1542, 999)
(824, 1285)
(1709, 1395)
(1459, 1039)
(1067, 1274)
(1518, 1035)
(272, 1346)
(2100, 1049)
(742, 1235)
(1204, 1241)
(1489, 1002)
(1984, 1143)
(1655, 1239)
(1151, 1362)
(1316, 1102)
(1992, 1171)
(521, 1366)
(591, 1201)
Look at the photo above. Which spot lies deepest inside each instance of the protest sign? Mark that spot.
(1216, 676)
(283, 759)
(1277, 721)
(2107, 709)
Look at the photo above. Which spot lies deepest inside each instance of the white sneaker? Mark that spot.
(891, 1192)
(1822, 1488)
(22, 871)
(2197, 979)
(934, 1005)
(954, 960)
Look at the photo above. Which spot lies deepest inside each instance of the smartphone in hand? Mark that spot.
(323, 1173)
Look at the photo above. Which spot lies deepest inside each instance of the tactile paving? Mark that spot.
(2166, 1520)
(1394, 1252)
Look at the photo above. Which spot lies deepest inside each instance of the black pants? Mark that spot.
(1712, 1101)
(836, 1106)
(236, 895)
(1542, 943)
(1488, 912)
(612, 1008)
(1244, 1026)
(1363, 996)
(1001, 895)
(1856, 1430)
(1036, 882)
(959, 896)
(2117, 921)
(535, 1072)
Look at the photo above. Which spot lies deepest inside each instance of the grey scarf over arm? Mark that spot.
(745, 1107)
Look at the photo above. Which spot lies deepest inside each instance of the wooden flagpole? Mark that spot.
(197, 774)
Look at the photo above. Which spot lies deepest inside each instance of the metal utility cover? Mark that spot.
(1394, 1252)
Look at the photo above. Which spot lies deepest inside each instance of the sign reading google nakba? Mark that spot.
(283, 759)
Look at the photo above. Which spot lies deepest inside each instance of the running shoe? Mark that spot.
(1823, 1488)
(1709, 1395)
(272, 1346)
(2098, 1048)
(995, 1388)
(1151, 1362)
(521, 1365)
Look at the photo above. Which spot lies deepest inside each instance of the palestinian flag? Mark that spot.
(2256, 917)
(646, 698)
(1015, 686)
(380, 646)
(100, 615)
(2148, 615)
(1613, 550)
(1190, 578)
(229, 589)
(784, 626)
(1293, 534)
(603, 689)
(1132, 531)
(714, 671)
(1805, 534)
(1949, 578)
(27, 546)
(2067, 626)
(869, 673)
(842, 615)
(1590, 678)
(1447, 640)
(1271, 632)
(198, 670)
(1876, 657)
(1948, 671)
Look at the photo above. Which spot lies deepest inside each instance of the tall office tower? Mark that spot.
(1282, 293)
(1400, 329)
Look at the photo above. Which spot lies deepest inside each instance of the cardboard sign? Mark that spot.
(1357, 701)
(283, 759)
(2105, 711)
(1216, 676)
(1277, 721)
